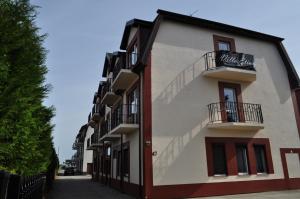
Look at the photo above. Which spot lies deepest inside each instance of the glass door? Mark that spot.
(231, 105)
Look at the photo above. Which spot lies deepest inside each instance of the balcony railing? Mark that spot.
(229, 59)
(119, 66)
(235, 115)
(123, 76)
(104, 128)
(94, 139)
(98, 111)
(125, 114)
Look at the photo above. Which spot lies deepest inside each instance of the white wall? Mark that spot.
(180, 95)
(87, 154)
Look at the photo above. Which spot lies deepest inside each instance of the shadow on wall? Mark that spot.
(180, 119)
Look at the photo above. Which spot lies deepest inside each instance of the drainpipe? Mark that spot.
(103, 161)
(140, 135)
(122, 173)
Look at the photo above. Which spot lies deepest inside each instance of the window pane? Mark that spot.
(219, 159)
(261, 165)
(242, 158)
(224, 45)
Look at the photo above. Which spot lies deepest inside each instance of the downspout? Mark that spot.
(122, 173)
(140, 136)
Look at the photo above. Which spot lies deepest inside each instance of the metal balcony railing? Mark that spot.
(125, 114)
(94, 138)
(235, 112)
(132, 61)
(216, 59)
(104, 128)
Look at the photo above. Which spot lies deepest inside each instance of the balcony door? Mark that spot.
(231, 104)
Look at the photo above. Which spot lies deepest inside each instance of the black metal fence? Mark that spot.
(235, 112)
(125, 114)
(19, 187)
(228, 59)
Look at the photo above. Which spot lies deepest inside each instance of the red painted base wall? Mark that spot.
(223, 188)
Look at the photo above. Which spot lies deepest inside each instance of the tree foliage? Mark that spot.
(26, 145)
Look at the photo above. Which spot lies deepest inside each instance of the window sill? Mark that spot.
(219, 175)
(243, 174)
(262, 174)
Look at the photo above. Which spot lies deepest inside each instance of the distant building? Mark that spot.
(192, 107)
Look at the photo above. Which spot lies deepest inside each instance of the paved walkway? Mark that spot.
(75, 187)
(290, 194)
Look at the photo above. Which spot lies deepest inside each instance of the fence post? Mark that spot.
(13, 191)
(4, 179)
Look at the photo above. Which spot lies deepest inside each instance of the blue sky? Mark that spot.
(80, 32)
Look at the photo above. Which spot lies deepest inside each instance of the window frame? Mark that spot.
(214, 163)
(230, 143)
(265, 158)
(244, 146)
(218, 38)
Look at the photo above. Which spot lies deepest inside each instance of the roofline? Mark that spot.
(217, 25)
(129, 24)
(163, 14)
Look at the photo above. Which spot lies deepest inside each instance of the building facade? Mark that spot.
(191, 107)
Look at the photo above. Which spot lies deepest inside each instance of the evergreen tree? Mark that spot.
(26, 145)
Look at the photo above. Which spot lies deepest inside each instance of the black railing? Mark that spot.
(125, 114)
(104, 128)
(94, 138)
(235, 112)
(19, 187)
(106, 87)
(217, 59)
(132, 59)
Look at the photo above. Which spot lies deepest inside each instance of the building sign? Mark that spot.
(236, 60)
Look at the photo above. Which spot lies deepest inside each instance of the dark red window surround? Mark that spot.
(238, 90)
(229, 40)
(230, 150)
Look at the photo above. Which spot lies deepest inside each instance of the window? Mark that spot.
(126, 162)
(231, 156)
(133, 100)
(231, 100)
(133, 55)
(260, 154)
(219, 159)
(242, 159)
(224, 45)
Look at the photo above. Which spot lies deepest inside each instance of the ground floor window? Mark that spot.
(219, 159)
(261, 165)
(238, 156)
(242, 159)
(122, 160)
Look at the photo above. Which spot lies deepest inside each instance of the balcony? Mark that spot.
(88, 144)
(125, 119)
(235, 116)
(230, 66)
(98, 112)
(104, 129)
(91, 122)
(123, 77)
(95, 142)
(109, 98)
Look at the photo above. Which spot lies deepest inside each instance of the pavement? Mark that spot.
(75, 187)
(289, 194)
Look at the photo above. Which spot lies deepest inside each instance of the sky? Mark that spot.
(80, 32)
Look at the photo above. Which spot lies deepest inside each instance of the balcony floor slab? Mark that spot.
(235, 126)
(230, 73)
